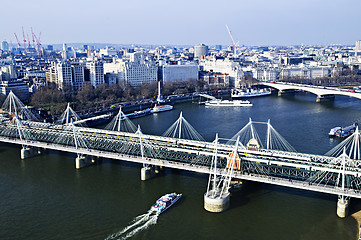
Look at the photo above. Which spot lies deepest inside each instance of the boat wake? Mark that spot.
(138, 224)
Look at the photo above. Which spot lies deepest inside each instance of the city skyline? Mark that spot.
(158, 22)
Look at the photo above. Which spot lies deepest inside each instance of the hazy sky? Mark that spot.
(252, 22)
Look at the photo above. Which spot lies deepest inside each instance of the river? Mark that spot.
(45, 197)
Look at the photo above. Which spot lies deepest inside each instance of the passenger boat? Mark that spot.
(343, 131)
(141, 113)
(165, 202)
(246, 93)
(228, 103)
(162, 108)
(334, 131)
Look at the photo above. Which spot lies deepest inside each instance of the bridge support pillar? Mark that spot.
(213, 202)
(285, 92)
(81, 162)
(27, 152)
(147, 173)
(325, 98)
(342, 207)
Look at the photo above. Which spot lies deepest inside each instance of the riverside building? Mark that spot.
(133, 71)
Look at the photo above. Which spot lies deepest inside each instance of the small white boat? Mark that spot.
(236, 93)
(165, 202)
(162, 108)
(228, 103)
(334, 131)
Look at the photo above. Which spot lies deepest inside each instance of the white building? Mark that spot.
(64, 79)
(107, 52)
(305, 72)
(358, 46)
(7, 73)
(233, 69)
(200, 50)
(78, 75)
(133, 71)
(4, 46)
(172, 73)
(96, 73)
(267, 74)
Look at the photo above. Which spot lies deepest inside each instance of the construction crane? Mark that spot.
(17, 41)
(32, 34)
(24, 40)
(230, 34)
(38, 42)
(29, 42)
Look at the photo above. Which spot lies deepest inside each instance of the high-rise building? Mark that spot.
(64, 53)
(77, 75)
(4, 46)
(96, 73)
(358, 46)
(64, 78)
(200, 50)
(8, 73)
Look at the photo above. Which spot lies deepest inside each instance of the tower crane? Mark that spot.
(38, 42)
(17, 41)
(32, 34)
(24, 40)
(230, 34)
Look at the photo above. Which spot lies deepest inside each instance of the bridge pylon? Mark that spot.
(217, 197)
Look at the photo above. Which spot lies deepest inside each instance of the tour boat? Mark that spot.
(162, 108)
(165, 202)
(141, 113)
(236, 94)
(227, 103)
(343, 131)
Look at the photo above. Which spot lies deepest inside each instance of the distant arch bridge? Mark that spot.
(322, 93)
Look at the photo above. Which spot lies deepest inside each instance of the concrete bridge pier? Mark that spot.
(81, 162)
(287, 92)
(214, 202)
(27, 152)
(325, 98)
(150, 171)
(147, 173)
(342, 207)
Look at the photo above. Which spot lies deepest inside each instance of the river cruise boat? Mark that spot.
(228, 103)
(162, 108)
(141, 113)
(343, 132)
(165, 202)
(247, 93)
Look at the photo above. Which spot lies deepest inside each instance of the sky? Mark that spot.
(185, 22)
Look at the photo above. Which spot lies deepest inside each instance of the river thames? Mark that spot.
(45, 197)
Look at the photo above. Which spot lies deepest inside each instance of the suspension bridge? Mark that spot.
(245, 156)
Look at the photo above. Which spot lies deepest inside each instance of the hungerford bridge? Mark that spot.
(244, 157)
(322, 93)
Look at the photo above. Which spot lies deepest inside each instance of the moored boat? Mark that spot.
(141, 113)
(247, 93)
(228, 103)
(162, 108)
(164, 202)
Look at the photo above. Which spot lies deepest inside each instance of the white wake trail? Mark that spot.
(138, 224)
(153, 220)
